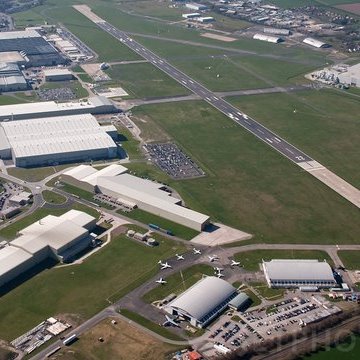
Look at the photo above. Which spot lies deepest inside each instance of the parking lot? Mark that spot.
(287, 316)
(60, 94)
(173, 161)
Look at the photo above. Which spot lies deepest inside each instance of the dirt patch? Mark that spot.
(218, 37)
(352, 8)
(73, 319)
(120, 341)
(86, 11)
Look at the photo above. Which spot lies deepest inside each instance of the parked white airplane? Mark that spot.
(179, 257)
(218, 269)
(213, 258)
(197, 251)
(164, 265)
(161, 281)
(169, 322)
(235, 263)
(219, 275)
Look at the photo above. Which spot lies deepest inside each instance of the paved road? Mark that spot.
(260, 131)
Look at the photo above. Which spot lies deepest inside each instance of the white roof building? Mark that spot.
(296, 273)
(94, 105)
(268, 38)
(315, 43)
(147, 195)
(351, 76)
(203, 301)
(46, 141)
(22, 34)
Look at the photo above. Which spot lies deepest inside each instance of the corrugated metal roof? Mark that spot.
(11, 257)
(6, 35)
(54, 135)
(239, 300)
(298, 270)
(203, 297)
(57, 71)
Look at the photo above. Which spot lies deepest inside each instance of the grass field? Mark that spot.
(147, 218)
(53, 198)
(266, 292)
(145, 81)
(11, 230)
(81, 289)
(9, 100)
(325, 125)
(35, 174)
(121, 341)
(150, 325)
(248, 185)
(178, 283)
(351, 259)
(250, 259)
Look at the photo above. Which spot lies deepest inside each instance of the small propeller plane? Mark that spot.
(161, 281)
(213, 258)
(179, 257)
(164, 265)
(197, 251)
(235, 263)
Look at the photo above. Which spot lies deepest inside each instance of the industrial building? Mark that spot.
(30, 48)
(297, 273)
(147, 195)
(55, 140)
(204, 19)
(191, 16)
(94, 105)
(196, 7)
(315, 43)
(351, 76)
(240, 302)
(268, 38)
(11, 78)
(58, 74)
(203, 301)
(275, 31)
(59, 237)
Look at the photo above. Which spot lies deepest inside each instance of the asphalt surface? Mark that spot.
(260, 131)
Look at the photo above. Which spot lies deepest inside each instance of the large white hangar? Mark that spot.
(93, 105)
(296, 273)
(61, 139)
(59, 237)
(147, 195)
(203, 301)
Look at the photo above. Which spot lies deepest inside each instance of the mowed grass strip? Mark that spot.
(325, 124)
(179, 282)
(81, 289)
(250, 260)
(350, 258)
(144, 80)
(248, 185)
(53, 198)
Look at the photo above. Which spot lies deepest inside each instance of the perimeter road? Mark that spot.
(343, 188)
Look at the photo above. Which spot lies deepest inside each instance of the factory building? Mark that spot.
(196, 7)
(298, 273)
(275, 31)
(55, 140)
(316, 43)
(268, 38)
(203, 301)
(147, 195)
(30, 48)
(11, 78)
(94, 105)
(58, 75)
(59, 237)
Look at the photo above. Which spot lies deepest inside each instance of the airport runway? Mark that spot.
(260, 131)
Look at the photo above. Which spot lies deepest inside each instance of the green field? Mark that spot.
(53, 198)
(324, 124)
(35, 174)
(248, 185)
(81, 289)
(266, 292)
(147, 218)
(350, 258)
(144, 81)
(179, 282)
(250, 260)
(9, 100)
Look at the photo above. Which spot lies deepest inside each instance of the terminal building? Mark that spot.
(298, 273)
(60, 237)
(55, 140)
(133, 191)
(93, 105)
(203, 301)
(28, 48)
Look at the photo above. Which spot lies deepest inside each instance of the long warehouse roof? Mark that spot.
(203, 297)
(7, 35)
(59, 134)
(298, 270)
(11, 257)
